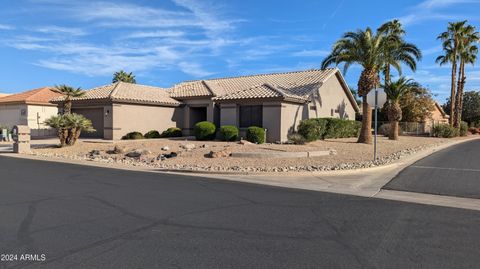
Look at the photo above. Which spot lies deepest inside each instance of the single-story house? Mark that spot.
(30, 108)
(119, 108)
(3, 94)
(276, 102)
(437, 117)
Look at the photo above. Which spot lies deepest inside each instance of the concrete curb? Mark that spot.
(281, 154)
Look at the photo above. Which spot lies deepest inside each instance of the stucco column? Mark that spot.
(272, 114)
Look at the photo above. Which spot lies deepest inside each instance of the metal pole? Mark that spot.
(376, 118)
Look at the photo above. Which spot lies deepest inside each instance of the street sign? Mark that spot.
(382, 98)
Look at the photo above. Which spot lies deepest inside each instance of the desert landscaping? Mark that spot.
(214, 156)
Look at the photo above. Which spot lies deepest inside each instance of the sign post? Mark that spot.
(376, 98)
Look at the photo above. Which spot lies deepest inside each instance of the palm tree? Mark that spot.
(395, 90)
(467, 54)
(77, 123)
(59, 123)
(69, 93)
(364, 48)
(396, 50)
(124, 77)
(450, 39)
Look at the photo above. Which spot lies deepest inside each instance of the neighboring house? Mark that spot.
(276, 102)
(4, 94)
(438, 117)
(29, 108)
(120, 108)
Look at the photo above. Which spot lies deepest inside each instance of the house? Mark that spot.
(29, 108)
(276, 102)
(3, 94)
(120, 108)
(438, 116)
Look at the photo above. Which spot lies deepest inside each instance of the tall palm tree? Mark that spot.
(364, 48)
(396, 50)
(69, 93)
(395, 91)
(451, 40)
(124, 77)
(467, 54)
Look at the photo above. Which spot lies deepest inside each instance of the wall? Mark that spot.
(292, 114)
(37, 114)
(200, 102)
(331, 96)
(143, 118)
(10, 115)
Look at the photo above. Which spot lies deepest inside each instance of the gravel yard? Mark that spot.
(349, 155)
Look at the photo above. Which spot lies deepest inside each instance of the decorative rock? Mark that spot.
(94, 152)
(219, 154)
(134, 154)
(165, 148)
(244, 142)
(188, 146)
(118, 149)
(204, 146)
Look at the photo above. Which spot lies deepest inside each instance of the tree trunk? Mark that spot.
(366, 131)
(387, 75)
(453, 92)
(393, 130)
(67, 106)
(459, 97)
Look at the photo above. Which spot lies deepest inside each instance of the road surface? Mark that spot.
(454, 171)
(88, 217)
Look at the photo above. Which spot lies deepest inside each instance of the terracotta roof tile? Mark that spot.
(297, 85)
(128, 92)
(36, 96)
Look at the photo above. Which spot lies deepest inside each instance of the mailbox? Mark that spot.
(21, 138)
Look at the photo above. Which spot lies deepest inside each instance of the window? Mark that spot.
(251, 116)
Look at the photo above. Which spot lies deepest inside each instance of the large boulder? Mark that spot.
(219, 154)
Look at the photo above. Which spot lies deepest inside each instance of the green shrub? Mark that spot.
(463, 128)
(338, 128)
(312, 129)
(172, 132)
(256, 135)
(445, 131)
(205, 130)
(228, 133)
(296, 139)
(152, 134)
(132, 135)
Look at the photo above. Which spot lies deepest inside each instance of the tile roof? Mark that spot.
(36, 96)
(296, 84)
(262, 91)
(128, 92)
(3, 94)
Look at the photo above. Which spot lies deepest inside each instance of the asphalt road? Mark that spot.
(85, 217)
(454, 171)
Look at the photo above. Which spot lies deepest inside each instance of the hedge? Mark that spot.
(228, 133)
(321, 128)
(152, 134)
(205, 130)
(133, 135)
(463, 129)
(172, 132)
(445, 131)
(256, 135)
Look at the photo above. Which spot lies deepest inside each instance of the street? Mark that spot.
(89, 217)
(454, 171)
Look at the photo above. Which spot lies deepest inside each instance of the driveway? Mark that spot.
(88, 217)
(454, 171)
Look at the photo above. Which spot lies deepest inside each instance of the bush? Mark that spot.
(256, 135)
(473, 130)
(384, 129)
(312, 129)
(205, 130)
(338, 128)
(296, 139)
(152, 134)
(445, 131)
(172, 132)
(228, 133)
(463, 128)
(132, 135)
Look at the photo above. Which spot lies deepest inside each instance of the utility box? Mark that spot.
(21, 138)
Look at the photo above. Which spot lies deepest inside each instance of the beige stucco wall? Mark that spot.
(331, 96)
(291, 116)
(36, 116)
(198, 102)
(143, 118)
(11, 115)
